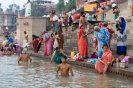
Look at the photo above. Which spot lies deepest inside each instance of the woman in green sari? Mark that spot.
(57, 55)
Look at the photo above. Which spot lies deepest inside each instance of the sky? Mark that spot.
(6, 3)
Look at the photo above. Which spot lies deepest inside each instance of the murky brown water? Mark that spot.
(41, 74)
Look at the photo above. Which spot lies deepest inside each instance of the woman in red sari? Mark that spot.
(102, 64)
(82, 42)
(35, 45)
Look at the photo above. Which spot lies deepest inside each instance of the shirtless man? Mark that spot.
(65, 20)
(82, 19)
(24, 57)
(64, 68)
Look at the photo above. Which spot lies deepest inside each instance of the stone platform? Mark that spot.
(120, 71)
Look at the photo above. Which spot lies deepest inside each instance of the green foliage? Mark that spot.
(69, 6)
(10, 8)
(37, 10)
(1, 10)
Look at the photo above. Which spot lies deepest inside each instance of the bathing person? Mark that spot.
(102, 35)
(9, 52)
(64, 68)
(24, 57)
(57, 55)
(107, 58)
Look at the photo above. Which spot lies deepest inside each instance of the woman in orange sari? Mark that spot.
(82, 42)
(102, 64)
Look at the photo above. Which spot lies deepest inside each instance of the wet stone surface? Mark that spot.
(41, 74)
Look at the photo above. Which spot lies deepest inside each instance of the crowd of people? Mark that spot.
(53, 44)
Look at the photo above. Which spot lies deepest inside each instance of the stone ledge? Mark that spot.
(124, 72)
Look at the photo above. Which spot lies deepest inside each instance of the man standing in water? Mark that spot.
(64, 68)
(24, 57)
(65, 20)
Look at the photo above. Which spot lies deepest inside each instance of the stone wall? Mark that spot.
(36, 25)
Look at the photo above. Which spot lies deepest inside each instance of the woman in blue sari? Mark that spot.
(122, 36)
(102, 35)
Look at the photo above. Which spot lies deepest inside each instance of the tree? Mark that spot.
(60, 6)
(37, 10)
(10, 8)
(1, 10)
(69, 6)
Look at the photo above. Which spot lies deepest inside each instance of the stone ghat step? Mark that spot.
(124, 72)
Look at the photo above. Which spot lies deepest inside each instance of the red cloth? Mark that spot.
(82, 44)
(35, 45)
(106, 57)
(75, 17)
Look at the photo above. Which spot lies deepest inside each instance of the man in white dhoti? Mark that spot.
(25, 41)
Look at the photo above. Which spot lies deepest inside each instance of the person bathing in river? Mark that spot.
(57, 55)
(24, 57)
(107, 58)
(64, 68)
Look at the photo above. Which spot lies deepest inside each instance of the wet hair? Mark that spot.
(25, 32)
(65, 57)
(2, 49)
(53, 12)
(8, 49)
(82, 13)
(105, 45)
(81, 26)
(57, 48)
(52, 34)
(6, 36)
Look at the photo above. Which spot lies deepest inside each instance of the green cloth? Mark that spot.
(116, 16)
(58, 56)
(102, 18)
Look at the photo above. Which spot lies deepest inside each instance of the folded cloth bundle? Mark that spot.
(126, 59)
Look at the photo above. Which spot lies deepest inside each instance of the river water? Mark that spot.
(41, 74)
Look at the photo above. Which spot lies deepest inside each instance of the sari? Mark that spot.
(122, 38)
(82, 44)
(35, 45)
(61, 40)
(106, 57)
(102, 37)
(47, 45)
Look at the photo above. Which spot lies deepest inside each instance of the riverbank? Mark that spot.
(120, 71)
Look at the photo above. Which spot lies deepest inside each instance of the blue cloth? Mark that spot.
(122, 38)
(55, 28)
(47, 36)
(10, 39)
(103, 38)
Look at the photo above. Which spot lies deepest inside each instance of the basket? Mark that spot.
(123, 65)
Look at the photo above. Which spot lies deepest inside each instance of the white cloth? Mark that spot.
(112, 1)
(28, 9)
(4, 42)
(113, 5)
(55, 18)
(56, 42)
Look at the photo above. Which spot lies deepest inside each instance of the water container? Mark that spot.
(72, 54)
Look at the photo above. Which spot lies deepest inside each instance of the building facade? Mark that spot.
(7, 21)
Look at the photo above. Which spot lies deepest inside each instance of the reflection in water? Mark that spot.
(41, 74)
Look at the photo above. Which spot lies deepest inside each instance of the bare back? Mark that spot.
(82, 20)
(64, 68)
(24, 58)
(65, 17)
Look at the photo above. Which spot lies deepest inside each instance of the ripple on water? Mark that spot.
(41, 74)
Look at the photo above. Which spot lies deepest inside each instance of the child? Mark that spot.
(64, 67)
